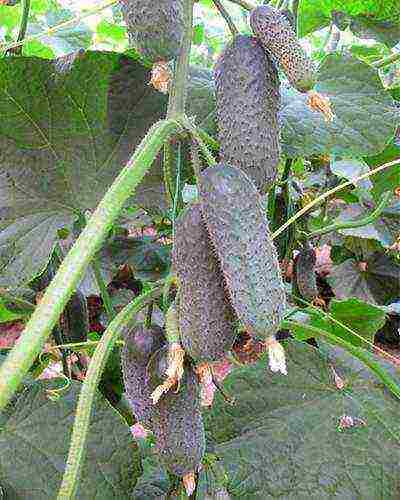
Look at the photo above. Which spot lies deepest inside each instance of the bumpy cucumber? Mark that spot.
(248, 99)
(178, 424)
(206, 318)
(140, 344)
(235, 218)
(304, 277)
(76, 318)
(277, 36)
(155, 27)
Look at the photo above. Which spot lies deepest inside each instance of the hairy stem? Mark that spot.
(105, 296)
(387, 60)
(355, 223)
(88, 392)
(168, 164)
(329, 193)
(177, 98)
(58, 27)
(361, 354)
(210, 141)
(71, 271)
(245, 4)
(227, 18)
(197, 137)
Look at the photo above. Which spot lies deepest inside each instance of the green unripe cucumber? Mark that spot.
(248, 99)
(140, 344)
(155, 27)
(235, 218)
(178, 424)
(277, 36)
(304, 277)
(206, 318)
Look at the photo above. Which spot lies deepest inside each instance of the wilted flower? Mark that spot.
(276, 355)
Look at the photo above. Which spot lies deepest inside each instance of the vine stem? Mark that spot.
(60, 26)
(46, 314)
(227, 18)
(177, 98)
(88, 392)
(387, 60)
(198, 138)
(26, 4)
(245, 4)
(105, 296)
(326, 195)
(354, 223)
(364, 356)
(178, 94)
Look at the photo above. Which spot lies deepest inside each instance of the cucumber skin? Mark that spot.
(140, 344)
(234, 214)
(248, 101)
(206, 318)
(155, 28)
(304, 277)
(279, 40)
(176, 420)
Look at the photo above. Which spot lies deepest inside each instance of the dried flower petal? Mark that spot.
(161, 76)
(162, 389)
(139, 432)
(276, 355)
(347, 421)
(176, 356)
(189, 482)
(207, 387)
(320, 103)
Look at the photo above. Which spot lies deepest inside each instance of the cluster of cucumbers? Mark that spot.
(224, 259)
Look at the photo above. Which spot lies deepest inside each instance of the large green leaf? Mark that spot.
(360, 317)
(68, 127)
(388, 179)
(34, 440)
(376, 281)
(383, 31)
(297, 450)
(315, 14)
(365, 113)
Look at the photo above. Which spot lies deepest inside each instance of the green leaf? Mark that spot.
(111, 30)
(385, 229)
(68, 127)
(386, 32)
(285, 448)
(350, 169)
(198, 34)
(9, 17)
(35, 48)
(388, 179)
(315, 14)
(365, 113)
(35, 431)
(377, 281)
(7, 315)
(149, 259)
(362, 318)
(65, 41)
